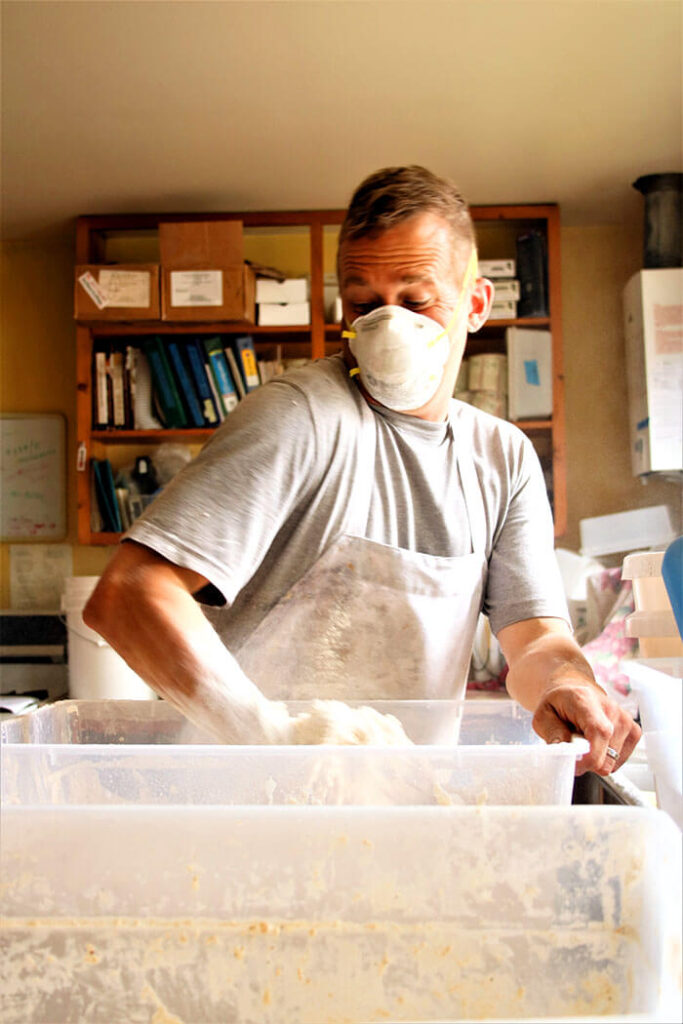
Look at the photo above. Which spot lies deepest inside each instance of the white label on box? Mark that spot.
(126, 289)
(90, 285)
(196, 287)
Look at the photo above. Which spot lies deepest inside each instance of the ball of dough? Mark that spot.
(333, 721)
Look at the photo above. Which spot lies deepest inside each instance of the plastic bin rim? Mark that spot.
(577, 746)
(343, 811)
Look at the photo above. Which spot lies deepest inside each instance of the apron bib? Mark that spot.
(369, 621)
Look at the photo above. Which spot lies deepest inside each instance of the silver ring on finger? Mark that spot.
(611, 752)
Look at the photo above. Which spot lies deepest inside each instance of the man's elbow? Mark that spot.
(104, 607)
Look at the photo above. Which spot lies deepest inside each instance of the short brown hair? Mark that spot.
(394, 194)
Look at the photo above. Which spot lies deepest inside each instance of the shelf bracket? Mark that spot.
(81, 457)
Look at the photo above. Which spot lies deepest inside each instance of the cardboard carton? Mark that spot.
(120, 291)
(201, 244)
(211, 293)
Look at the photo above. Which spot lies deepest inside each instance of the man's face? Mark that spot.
(410, 265)
(414, 265)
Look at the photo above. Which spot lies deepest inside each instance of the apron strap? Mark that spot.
(474, 501)
(361, 493)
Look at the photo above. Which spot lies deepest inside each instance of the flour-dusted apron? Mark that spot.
(369, 621)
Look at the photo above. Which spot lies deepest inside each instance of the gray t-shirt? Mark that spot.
(287, 474)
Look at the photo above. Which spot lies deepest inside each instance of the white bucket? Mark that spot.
(95, 669)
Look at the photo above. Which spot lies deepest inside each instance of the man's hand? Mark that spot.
(568, 708)
(549, 675)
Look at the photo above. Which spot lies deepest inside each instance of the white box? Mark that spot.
(627, 531)
(505, 309)
(275, 915)
(506, 290)
(274, 314)
(292, 289)
(530, 373)
(497, 268)
(653, 326)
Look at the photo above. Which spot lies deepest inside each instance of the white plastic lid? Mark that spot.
(643, 563)
(651, 624)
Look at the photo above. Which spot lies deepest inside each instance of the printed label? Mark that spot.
(90, 285)
(126, 289)
(531, 374)
(196, 288)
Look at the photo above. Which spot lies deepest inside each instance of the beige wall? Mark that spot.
(596, 264)
(37, 371)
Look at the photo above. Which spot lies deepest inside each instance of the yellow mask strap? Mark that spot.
(471, 272)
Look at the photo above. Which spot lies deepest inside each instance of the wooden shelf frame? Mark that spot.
(316, 339)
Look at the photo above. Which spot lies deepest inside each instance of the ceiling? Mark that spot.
(133, 105)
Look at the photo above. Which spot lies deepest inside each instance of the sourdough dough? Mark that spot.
(333, 721)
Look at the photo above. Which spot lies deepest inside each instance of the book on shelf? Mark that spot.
(223, 378)
(211, 378)
(245, 357)
(123, 502)
(234, 372)
(186, 385)
(532, 271)
(130, 370)
(168, 402)
(100, 385)
(198, 369)
(115, 362)
(106, 495)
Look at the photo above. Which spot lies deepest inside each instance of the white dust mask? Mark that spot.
(401, 354)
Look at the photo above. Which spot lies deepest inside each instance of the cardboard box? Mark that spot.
(530, 373)
(120, 291)
(292, 289)
(201, 243)
(213, 293)
(279, 314)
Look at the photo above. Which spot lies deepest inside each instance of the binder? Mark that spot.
(195, 359)
(187, 391)
(222, 375)
(245, 356)
(235, 371)
(106, 495)
(532, 273)
(169, 403)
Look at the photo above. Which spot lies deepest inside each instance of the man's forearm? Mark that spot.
(146, 614)
(546, 660)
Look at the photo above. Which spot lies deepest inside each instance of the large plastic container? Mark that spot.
(658, 683)
(308, 915)
(106, 752)
(95, 669)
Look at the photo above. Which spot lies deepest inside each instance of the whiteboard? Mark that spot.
(32, 476)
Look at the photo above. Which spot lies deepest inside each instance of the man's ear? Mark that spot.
(481, 301)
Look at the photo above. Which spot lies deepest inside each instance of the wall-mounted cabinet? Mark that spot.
(298, 244)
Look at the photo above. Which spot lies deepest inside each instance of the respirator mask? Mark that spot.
(401, 355)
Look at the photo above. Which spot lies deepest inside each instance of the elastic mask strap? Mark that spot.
(470, 276)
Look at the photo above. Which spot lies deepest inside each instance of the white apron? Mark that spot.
(369, 621)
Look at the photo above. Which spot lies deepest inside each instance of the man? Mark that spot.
(348, 522)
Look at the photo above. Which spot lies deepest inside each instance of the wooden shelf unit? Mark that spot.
(316, 339)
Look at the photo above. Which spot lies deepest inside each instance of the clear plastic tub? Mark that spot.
(118, 752)
(658, 683)
(306, 915)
